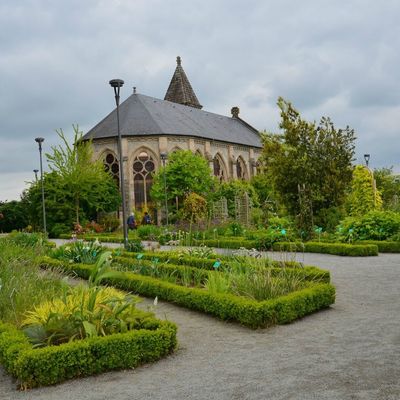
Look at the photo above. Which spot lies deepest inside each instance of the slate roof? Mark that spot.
(142, 115)
(180, 90)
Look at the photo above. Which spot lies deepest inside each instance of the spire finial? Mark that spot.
(178, 61)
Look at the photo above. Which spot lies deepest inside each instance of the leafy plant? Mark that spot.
(134, 246)
(79, 252)
(80, 313)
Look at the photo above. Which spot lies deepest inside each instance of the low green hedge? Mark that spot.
(224, 243)
(248, 312)
(339, 249)
(54, 364)
(180, 264)
(384, 246)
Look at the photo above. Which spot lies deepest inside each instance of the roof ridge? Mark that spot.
(180, 90)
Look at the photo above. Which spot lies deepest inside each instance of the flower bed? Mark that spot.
(254, 314)
(339, 249)
(53, 364)
(172, 261)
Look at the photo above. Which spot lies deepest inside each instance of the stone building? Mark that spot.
(151, 126)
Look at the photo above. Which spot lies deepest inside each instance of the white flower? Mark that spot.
(155, 302)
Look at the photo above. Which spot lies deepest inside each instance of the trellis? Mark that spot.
(243, 208)
(220, 210)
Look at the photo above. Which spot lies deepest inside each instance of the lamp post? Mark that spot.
(36, 171)
(163, 159)
(367, 158)
(116, 84)
(39, 141)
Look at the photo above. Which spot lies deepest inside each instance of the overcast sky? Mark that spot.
(328, 57)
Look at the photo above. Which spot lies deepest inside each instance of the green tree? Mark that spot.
(80, 177)
(388, 185)
(76, 188)
(364, 196)
(185, 172)
(308, 164)
(12, 216)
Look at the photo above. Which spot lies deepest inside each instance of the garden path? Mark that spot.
(350, 351)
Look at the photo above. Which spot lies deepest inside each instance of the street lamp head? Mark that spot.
(39, 140)
(163, 156)
(35, 171)
(366, 158)
(116, 83)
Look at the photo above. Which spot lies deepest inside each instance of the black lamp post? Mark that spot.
(366, 158)
(163, 159)
(39, 141)
(117, 84)
(36, 171)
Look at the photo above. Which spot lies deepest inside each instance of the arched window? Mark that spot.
(198, 153)
(241, 171)
(143, 167)
(218, 168)
(111, 165)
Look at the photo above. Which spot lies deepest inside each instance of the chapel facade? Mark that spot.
(152, 127)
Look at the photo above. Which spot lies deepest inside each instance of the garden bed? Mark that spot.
(251, 313)
(53, 364)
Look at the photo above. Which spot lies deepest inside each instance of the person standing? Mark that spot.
(131, 221)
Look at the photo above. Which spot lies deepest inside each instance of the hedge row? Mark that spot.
(183, 265)
(227, 243)
(384, 246)
(339, 249)
(54, 364)
(248, 312)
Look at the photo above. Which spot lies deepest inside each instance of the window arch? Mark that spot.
(111, 165)
(198, 153)
(218, 168)
(143, 167)
(241, 170)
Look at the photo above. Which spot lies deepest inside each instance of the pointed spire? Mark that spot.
(180, 90)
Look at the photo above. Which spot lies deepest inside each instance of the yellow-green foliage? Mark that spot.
(364, 196)
(81, 312)
(194, 207)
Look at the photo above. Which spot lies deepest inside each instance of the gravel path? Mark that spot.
(350, 351)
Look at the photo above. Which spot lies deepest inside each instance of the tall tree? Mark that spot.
(82, 178)
(364, 196)
(185, 172)
(308, 160)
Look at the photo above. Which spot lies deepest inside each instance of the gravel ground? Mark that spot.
(350, 351)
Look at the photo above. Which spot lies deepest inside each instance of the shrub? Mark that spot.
(79, 252)
(383, 246)
(26, 239)
(338, 249)
(375, 225)
(148, 232)
(134, 246)
(58, 229)
(109, 222)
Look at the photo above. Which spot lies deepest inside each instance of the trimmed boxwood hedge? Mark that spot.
(384, 246)
(54, 364)
(170, 262)
(227, 243)
(253, 314)
(339, 249)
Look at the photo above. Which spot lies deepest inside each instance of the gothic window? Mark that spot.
(218, 169)
(143, 167)
(240, 169)
(111, 165)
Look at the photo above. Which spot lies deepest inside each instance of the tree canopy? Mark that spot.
(308, 162)
(77, 186)
(185, 173)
